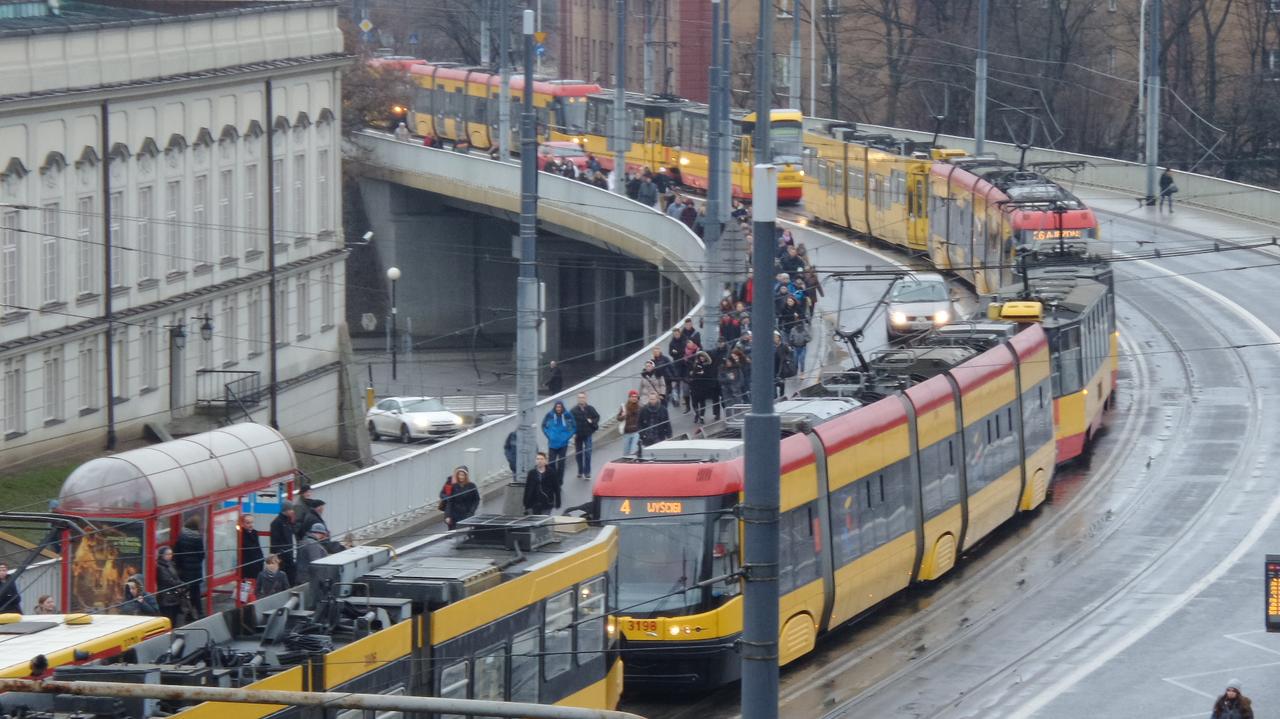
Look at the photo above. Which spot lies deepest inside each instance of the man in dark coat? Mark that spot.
(10, 600)
(462, 498)
(540, 488)
(509, 449)
(189, 557)
(250, 548)
(311, 549)
(555, 379)
(655, 423)
(586, 421)
(282, 538)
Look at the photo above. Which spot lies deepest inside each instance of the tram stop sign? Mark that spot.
(1273, 592)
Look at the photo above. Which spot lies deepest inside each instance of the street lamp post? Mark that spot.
(393, 274)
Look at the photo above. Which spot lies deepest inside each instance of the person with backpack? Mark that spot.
(629, 424)
(798, 338)
(459, 497)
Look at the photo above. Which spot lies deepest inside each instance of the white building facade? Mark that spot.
(145, 163)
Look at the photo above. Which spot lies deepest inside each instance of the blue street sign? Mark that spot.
(539, 50)
(413, 38)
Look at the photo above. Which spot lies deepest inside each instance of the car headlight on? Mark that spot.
(802, 173)
(457, 420)
(898, 318)
(421, 424)
(941, 317)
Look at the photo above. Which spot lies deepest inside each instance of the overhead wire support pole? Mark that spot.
(726, 121)
(813, 58)
(648, 47)
(1153, 101)
(762, 427)
(504, 84)
(712, 222)
(486, 54)
(980, 82)
(793, 64)
(621, 143)
(527, 305)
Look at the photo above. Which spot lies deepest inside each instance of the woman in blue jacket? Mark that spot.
(559, 428)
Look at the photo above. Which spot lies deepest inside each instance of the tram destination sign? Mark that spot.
(1273, 592)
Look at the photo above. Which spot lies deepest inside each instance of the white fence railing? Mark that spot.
(377, 498)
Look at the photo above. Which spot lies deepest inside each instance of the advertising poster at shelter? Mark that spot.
(101, 561)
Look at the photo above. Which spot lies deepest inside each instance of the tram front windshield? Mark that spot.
(786, 141)
(663, 553)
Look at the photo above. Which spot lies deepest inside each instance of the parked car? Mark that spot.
(411, 419)
(562, 152)
(917, 303)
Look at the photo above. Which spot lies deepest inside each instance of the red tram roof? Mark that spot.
(930, 394)
(861, 424)
(670, 479)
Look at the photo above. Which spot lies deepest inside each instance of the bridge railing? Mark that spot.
(373, 500)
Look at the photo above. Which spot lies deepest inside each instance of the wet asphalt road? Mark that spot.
(1137, 590)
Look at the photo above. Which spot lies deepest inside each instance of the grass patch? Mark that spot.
(29, 490)
(320, 468)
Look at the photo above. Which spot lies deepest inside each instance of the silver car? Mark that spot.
(918, 303)
(411, 419)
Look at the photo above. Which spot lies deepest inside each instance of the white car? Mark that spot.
(918, 303)
(411, 418)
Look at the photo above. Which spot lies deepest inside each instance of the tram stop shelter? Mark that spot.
(138, 501)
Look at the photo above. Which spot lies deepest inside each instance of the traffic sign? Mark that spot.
(540, 50)
(365, 25)
(539, 37)
(413, 38)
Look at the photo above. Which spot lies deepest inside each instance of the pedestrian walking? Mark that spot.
(509, 449)
(1167, 188)
(655, 422)
(173, 599)
(459, 498)
(555, 379)
(662, 366)
(541, 490)
(730, 379)
(1233, 704)
(250, 548)
(189, 557)
(703, 385)
(798, 338)
(629, 424)
(647, 194)
(586, 422)
(402, 132)
(558, 427)
(10, 599)
(651, 381)
(313, 547)
(282, 541)
(272, 579)
(784, 364)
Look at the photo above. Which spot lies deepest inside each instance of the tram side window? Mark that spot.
(422, 100)
(844, 524)
(822, 174)
(799, 553)
(591, 611)
(635, 118)
(491, 674)
(837, 178)
(524, 667)
(477, 109)
(453, 683)
(557, 635)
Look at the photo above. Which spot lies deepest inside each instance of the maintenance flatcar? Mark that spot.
(506, 609)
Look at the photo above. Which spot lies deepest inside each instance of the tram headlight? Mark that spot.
(674, 630)
(941, 317)
(611, 627)
(684, 161)
(898, 318)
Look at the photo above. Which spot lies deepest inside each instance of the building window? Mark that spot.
(1273, 61)
(251, 208)
(53, 385)
(88, 369)
(173, 224)
(1111, 59)
(299, 195)
(10, 264)
(121, 390)
(146, 235)
(226, 214)
(116, 203)
(50, 256)
(257, 333)
(324, 202)
(1113, 5)
(150, 356)
(14, 396)
(326, 298)
(199, 201)
(304, 305)
(1273, 5)
(277, 195)
(282, 311)
(86, 249)
(230, 330)
(784, 8)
